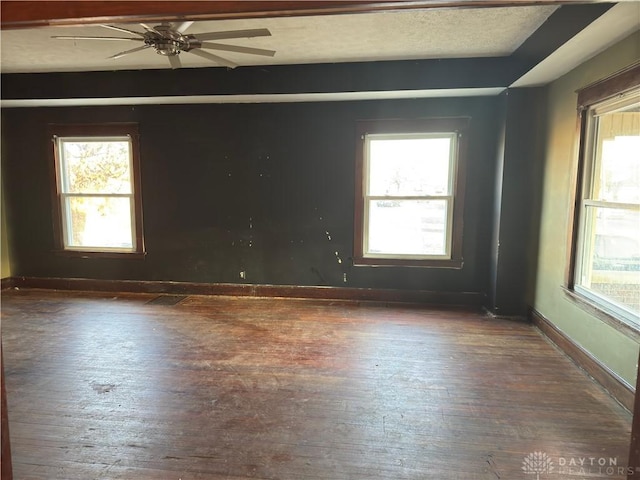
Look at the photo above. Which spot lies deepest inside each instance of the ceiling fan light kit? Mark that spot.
(169, 40)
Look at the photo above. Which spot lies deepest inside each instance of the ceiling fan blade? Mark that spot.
(149, 28)
(257, 32)
(175, 62)
(68, 37)
(120, 29)
(211, 56)
(236, 48)
(127, 52)
(181, 27)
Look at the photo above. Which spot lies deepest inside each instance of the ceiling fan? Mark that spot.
(169, 39)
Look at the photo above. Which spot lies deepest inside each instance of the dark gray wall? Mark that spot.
(519, 160)
(245, 187)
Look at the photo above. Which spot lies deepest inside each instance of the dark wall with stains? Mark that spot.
(266, 189)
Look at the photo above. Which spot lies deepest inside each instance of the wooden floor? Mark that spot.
(101, 387)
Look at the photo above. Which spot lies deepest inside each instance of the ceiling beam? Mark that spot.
(558, 29)
(27, 14)
(266, 80)
(562, 25)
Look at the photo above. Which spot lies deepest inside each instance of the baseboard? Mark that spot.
(468, 299)
(617, 387)
(8, 282)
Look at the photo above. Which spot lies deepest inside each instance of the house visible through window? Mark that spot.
(97, 188)
(606, 265)
(409, 193)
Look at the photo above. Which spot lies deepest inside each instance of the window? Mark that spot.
(606, 251)
(409, 192)
(97, 189)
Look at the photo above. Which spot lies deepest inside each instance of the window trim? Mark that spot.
(458, 125)
(96, 130)
(614, 86)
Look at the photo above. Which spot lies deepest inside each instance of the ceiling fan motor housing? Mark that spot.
(169, 42)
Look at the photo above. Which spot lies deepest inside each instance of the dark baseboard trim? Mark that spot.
(617, 387)
(8, 282)
(468, 299)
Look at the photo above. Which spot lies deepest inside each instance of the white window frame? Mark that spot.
(65, 195)
(449, 199)
(583, 250)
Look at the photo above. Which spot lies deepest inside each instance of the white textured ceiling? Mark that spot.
(397, 35)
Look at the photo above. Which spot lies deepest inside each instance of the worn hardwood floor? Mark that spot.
(106, 387)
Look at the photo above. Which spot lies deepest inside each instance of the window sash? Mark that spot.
(67, 230)
(448, 199)
(453, 154)
(63, 181)
(585, 252)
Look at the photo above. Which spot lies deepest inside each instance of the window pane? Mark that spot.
(99, 222)
(95, 166)
(611, 257)
(407, 227)
(617, 167)
(409, 166)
